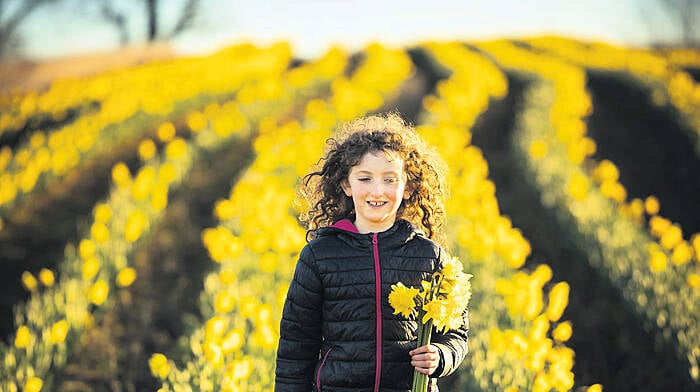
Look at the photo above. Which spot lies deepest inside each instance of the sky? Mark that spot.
(311, 26)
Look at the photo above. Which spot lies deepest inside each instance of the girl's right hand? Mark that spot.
(425, 359)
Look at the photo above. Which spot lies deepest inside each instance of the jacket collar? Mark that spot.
(399, 233)
(345, 224)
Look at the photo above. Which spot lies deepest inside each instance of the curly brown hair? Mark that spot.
(424, 168)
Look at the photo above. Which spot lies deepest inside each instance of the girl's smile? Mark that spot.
(377, 186)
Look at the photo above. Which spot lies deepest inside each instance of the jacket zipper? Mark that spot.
(378, 306)
(318, 374)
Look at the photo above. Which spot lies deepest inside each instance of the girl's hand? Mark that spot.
(425, 359)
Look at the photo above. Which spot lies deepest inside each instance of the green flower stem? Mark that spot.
(425, 331)
(420, 380)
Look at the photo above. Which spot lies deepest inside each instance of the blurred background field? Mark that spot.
(149, 154)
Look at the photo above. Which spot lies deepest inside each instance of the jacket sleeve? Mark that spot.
(452, 344)
(300, 328)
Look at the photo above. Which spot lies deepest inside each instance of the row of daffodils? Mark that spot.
(123, 111)
(518, 340)
(643, 254)
(63, 305)
(662, 73)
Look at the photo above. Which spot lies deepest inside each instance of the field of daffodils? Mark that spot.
(149, 222)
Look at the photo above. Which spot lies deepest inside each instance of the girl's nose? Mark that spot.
(376, 188)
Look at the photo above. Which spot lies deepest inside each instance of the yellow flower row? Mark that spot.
(195, 75)
(630, 257)
(571, 106)
(450, 116)
(496, 249)
(545, 356)
(661, 71)
(52, 154)
(59, 312)
(256, 243)
(683, 57)
(81, 95)
(226, 333)
(683, 92)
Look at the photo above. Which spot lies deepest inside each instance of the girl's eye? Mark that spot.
(363, 179)
(391, 180)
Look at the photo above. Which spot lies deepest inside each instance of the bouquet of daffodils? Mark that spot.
(439, 303)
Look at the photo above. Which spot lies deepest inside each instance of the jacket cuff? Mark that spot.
(439, 372)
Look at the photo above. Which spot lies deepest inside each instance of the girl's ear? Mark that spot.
(407, 192)
(346, 187)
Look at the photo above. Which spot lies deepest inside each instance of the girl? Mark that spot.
(375, 219)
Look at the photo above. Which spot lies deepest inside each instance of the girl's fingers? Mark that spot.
(428, 348)
(424, 367)
(425, 359)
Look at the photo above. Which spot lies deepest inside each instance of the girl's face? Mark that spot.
(377, 185)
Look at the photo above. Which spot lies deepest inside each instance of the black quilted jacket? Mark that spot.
(333, 336)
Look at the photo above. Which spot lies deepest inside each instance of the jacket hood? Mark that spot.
(399, 233)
